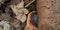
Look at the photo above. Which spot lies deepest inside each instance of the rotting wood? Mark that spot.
(49, 14)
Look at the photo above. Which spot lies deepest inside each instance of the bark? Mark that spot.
(49, 14)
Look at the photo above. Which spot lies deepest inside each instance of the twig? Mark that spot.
(29, 3)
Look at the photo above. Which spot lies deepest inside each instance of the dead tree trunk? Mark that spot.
(49, 14)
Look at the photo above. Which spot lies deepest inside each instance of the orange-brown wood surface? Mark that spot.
(49, 14)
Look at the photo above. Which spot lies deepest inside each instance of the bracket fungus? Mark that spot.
(32, 21)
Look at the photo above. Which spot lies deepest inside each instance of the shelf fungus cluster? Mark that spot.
(18, 15)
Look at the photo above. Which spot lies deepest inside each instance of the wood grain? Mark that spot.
(49, 14)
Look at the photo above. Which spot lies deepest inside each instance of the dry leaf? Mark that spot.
(20, 11)
(13, 7)
(23, 11)
(19, 8)
(21, 17)
(20, 5)
(5, 25)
